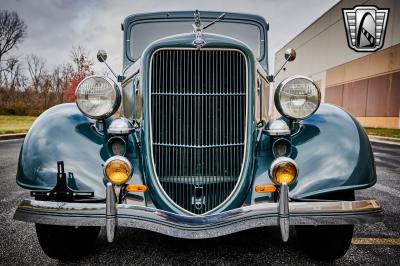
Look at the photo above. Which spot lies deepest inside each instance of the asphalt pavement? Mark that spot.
(377, 244)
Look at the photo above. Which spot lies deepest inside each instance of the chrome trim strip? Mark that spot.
(198, 94)
(111, 213)
(131, 71)
(283, 211)
(197, 146)
(151, 134)
(195, 227)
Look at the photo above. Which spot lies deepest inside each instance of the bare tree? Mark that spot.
(67, 71)
(12, 31)
(12, 77)
(36, 69)
(83, 63)
(45, 88)
(60, 78)
(56, 81)
(15, 70)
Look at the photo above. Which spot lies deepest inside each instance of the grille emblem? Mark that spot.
(366, 27)
(199, 42)
(198, 199)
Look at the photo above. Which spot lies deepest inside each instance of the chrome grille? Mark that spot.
(198, 124)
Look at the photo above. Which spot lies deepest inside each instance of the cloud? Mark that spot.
(54, 26)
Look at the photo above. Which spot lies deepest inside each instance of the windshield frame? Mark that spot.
(255, 20)
(190, 30)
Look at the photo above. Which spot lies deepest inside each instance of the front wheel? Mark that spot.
(327, 242)
(66, 242)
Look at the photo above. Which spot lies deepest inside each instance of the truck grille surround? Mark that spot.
(198, 124)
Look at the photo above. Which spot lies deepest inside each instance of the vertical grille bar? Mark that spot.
(198, 124)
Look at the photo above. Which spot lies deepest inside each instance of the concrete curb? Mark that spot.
(12, 136)
(383, 139)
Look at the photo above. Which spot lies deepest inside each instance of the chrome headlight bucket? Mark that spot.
(297, 97)
(120, 126)
(98, 97)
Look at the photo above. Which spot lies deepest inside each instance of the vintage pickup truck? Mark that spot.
(183, 143)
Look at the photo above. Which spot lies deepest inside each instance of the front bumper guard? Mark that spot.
(111, 215)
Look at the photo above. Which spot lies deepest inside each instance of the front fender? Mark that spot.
(64, 133)
(333, 153)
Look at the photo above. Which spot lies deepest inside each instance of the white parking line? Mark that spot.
(391, 191)
(386, 162)
(375, 241)
(385, 142)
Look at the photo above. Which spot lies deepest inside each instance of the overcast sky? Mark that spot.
(54, 26)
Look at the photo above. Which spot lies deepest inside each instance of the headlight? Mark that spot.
(297, 97)
(97, 97)
(118, 170)
(283, 170)
(117, 146)
(281, 147)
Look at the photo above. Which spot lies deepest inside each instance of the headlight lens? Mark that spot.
(283, 170)
(297, 97)
(281, 147)
(97, 97)
(118, 170)
(117, 146)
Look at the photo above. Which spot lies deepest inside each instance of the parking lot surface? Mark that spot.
(377, 244)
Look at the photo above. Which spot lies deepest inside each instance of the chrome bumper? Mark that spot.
(112, 215)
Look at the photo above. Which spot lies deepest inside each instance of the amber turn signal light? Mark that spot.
(118, 170)
(283, 171)
(265, 188)
(136, 188)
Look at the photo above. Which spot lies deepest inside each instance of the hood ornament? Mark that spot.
(198, 28)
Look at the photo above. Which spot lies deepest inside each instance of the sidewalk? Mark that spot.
(12, 136)
(388, 140)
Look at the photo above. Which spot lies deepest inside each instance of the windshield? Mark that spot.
(143, 33)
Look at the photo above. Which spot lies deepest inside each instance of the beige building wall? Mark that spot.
(352, 77)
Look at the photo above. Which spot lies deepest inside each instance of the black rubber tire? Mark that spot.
(326, 242)
(66, 243)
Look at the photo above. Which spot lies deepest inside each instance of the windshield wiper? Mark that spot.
(220, 17)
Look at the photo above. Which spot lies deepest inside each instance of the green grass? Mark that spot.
(20, 124)
(384, 132)
(15, 124)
